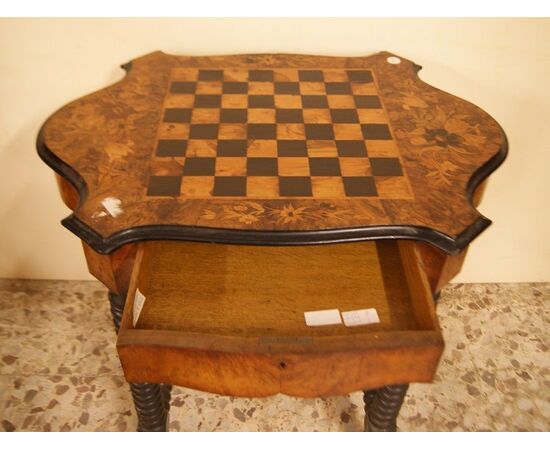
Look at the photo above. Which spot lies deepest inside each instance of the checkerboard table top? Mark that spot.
(274, 149)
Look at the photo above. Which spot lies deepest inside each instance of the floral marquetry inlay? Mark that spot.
(273, 149)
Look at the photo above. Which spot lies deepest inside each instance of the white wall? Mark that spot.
(502, 65)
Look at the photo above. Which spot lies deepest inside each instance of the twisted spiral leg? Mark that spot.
(166, 390)
(152, 401)
(368, 398)
(383, 406)
(117, 307)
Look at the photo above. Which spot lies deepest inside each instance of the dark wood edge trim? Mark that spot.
(60, 167)
(106, 245)
(279, 238)
(483, 172)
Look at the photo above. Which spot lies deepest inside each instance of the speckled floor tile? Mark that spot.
(59, 370)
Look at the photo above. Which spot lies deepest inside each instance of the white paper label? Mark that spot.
(360, 317)
(112, 205)
(139, 300)
(324, 317)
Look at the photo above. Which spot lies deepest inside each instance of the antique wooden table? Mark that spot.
(284, 152)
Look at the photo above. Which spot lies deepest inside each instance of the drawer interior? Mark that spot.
(258, 290)
(230, 319)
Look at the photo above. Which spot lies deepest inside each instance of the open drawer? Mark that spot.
(229, 319)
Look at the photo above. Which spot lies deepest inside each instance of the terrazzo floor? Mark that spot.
(59, 369)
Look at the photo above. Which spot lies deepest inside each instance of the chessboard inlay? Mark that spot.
(275, 133)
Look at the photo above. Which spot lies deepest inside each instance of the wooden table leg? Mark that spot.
(382, 407)
(152, 401)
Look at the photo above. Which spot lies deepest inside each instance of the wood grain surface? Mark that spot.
(107, 145)
(230, 319)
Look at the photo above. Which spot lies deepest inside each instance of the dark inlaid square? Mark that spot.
(262, 167)
(319, 131)
(360, 187)
(199, 166)
(291, 148)
(324, 167)
(208, 101)
(229, 187)
(232, 148)
(203, 131)
(177, 115)
(262, 131)
(233, 116)
(260, 75)
(287, 87)
(351, 148)
(314, 101)
(210, 75)
(376, 131)
(367, 101)
(360, 76)
(386, 167)
(338, 88)
(310, 75)
(295, 187)
(261, 101)
(235, 87)
(344, 116)
(183, 87)
(171, 147)
(289, 116)
(164, 186)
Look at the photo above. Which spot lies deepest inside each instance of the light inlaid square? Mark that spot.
(261, 115)
(317, 116)
(235, 74)
(364, 89)
(231, 166)
(197, 187)
(180, 101)
(261, 147)
(327, 187)
(239, 101)
(262, 187)
(184, 74)
(260, 88)
(335, 75)
(167, 167)
(288, 101)
(232, 131)
(341, 101)
(205, 115)
(355, 167)
(173, 131)
(293, 166)
(347, 132)
(322, 148)
(209, 87)
(290, 131)
(312, 88)
(201, 147)
(285, 74)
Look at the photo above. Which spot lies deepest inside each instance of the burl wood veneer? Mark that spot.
(274, 149)
(229, 319)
